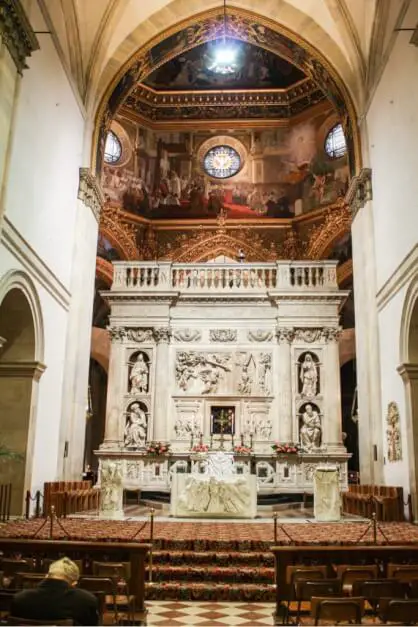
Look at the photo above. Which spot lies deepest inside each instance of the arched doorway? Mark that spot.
(409, 373)
(19, 375)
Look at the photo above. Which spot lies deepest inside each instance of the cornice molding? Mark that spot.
(400, 277)
(22, 369)
(90, 192)
(17, 33)
(360, 191)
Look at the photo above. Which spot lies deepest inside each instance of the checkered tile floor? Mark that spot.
(178, 614)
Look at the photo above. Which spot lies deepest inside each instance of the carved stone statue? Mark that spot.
(311, 430)
(309, 376)
(139, 376)
(136, 427)
(393, 433)
(111, 487)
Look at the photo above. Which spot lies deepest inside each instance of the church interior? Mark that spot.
(209, 307)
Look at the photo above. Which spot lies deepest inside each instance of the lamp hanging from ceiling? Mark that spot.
(224, 58)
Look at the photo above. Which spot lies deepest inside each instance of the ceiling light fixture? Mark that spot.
(224, 59)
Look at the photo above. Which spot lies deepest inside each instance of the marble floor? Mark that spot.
(177, 613)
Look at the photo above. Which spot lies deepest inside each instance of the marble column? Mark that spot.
(332, 419)
(116, 389)
(162, 382)
(285, 337)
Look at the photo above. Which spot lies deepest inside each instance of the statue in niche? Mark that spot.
(139, 375)
(265, 373)
(393, 433)
(309, 376)
(136, 427)
(311, 430)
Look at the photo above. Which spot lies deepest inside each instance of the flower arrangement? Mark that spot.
(289, 448)
(200, 448)
(158, 448)
(240, 449)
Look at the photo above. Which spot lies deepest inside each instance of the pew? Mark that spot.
(70, 497)
(385, 501)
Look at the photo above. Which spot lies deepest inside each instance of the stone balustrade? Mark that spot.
(230, 278)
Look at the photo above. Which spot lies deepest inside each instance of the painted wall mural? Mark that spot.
(280, 173)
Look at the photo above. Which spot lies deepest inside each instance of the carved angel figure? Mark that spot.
(309, 376)
(139, 376)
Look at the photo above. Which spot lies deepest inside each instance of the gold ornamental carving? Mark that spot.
(120, 234)
(104, 270)
(16, 32)
(337, 222)
(344, 272)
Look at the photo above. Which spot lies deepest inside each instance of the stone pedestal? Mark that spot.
(327, 497)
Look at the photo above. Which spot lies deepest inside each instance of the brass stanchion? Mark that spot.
(275, 527)
(374, 523)
(151, 513)
(51, 520)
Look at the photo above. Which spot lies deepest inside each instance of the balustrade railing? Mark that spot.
(225, 277)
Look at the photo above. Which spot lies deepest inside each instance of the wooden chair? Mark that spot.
(14, 620)
(299, 573)
(349, 574)
(6, 598)
(340, 610)
(401, 611)
(105, 587)
(10, 567)
(29, 580)
(120, 573)
(402, 572)
(377, 589)
(305, 590)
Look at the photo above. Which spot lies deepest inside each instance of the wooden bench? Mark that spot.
(286, 557)
(69, 497)
(385, 501)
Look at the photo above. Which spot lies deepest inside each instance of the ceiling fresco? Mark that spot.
(256, 68)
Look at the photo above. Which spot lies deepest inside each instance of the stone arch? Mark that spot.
(21, 352)
(337, 223)
(206, 26)
(17, 279)
(408, 370)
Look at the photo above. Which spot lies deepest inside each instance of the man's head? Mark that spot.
(66, 570)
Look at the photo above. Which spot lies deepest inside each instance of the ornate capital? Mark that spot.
(285, 335)
(116, 333)
(309, 335)
(360, 191)
(331, 334)
(90, 191)
(140, 335)
(162, 335)
(408, 372)
(17, 33)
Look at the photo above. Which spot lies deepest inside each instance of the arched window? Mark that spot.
(335, 144)
(113, 148)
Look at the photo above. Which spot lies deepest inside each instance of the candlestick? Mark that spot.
(251, 440)
(242, 439)
(200, 438)
(191, 441)
(232, 440)
(211, 440)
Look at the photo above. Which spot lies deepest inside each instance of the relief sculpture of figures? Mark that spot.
(309, 376)
(265, 373)
(393, 433)
(244, 386)
(310, 431)
(139, 376)
(111, 485)
(136, 427)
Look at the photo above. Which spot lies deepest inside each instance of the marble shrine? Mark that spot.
(239, 358)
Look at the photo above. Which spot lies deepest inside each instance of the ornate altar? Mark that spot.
(224, 353)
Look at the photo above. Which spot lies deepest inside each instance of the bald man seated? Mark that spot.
(57, 598)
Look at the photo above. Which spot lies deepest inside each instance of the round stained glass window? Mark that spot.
(221, 162)
(335, 145)
(113, 148)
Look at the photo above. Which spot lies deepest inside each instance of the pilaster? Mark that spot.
(285, 338)
(162, 336)
(115, 389)
(332, 436)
